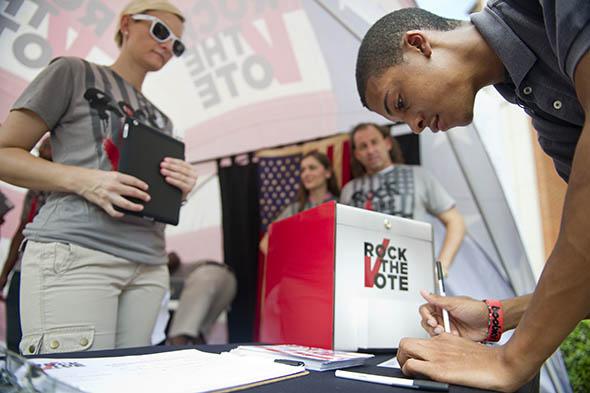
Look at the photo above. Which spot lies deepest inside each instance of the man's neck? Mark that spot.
(387, 167)
(475, 59)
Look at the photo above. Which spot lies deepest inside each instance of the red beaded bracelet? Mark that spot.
(495, 320)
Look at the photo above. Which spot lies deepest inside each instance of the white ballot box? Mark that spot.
(345, 278)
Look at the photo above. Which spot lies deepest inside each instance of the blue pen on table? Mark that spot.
(441, 292)
(394, 381)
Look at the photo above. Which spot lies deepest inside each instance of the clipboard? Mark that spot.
(142, 150)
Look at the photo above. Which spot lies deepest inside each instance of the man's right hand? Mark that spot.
(108, 189)
(469, 317)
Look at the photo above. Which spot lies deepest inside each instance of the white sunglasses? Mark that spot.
(162, 33)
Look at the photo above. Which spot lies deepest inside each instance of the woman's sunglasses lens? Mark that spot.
(160, 31)
(178, 48)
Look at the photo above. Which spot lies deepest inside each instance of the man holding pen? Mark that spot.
(425, 70)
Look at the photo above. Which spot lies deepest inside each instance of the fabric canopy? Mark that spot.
(256, 74)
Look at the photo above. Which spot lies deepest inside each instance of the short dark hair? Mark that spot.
(396, 154)
(381, 47)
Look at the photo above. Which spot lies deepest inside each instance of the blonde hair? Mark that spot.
(139, 6)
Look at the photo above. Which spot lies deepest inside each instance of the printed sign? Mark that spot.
(379, 272)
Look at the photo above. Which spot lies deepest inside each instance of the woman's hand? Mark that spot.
(469, 317)
(109, 189)
(180, 174)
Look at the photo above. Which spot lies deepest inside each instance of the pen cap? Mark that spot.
(432, 386)
(440, 277)
(289, 362)
(439, 270)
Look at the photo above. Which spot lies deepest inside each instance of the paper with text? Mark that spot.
(181, 371)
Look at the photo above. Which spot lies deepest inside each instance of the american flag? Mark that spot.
(278, 172)
(278, 179)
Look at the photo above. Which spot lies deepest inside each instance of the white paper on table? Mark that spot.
(391, 363)
(189, 371)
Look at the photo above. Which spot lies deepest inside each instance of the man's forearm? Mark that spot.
(450, 248)
(454, 233)
(562, 296)
(514, 309)
(559, 302)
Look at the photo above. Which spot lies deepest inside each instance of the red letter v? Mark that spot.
(371, 273)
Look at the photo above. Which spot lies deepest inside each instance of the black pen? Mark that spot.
(289, 362)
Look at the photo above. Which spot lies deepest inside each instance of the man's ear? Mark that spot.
(389, 143)
(417, 40)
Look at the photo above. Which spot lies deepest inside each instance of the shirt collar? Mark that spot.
(385, 170)
(517, 58)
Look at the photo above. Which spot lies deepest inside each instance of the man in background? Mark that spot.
(407, 191)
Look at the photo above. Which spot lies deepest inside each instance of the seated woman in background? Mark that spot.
(317, 185)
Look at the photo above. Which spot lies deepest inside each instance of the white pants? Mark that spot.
(75, 299)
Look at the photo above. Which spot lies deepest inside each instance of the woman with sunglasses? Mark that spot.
(92, 277)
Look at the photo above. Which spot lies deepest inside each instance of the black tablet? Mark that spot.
(142, 150)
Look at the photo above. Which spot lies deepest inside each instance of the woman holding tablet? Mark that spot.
(92, 277)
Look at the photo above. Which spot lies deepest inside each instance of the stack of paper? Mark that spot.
(185, 371)
(316, 359)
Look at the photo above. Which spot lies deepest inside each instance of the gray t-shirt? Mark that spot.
(540, 44)
(400, 190)
(84, 105)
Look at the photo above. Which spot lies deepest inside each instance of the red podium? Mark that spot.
(344, 278)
